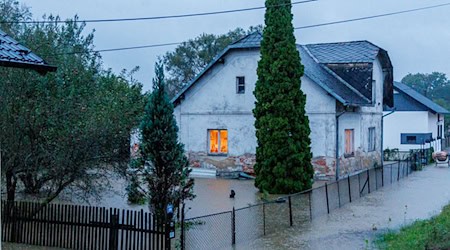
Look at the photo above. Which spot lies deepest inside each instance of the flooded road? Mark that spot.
(356, 225)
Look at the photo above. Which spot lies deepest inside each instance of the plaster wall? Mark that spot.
(213, 103)
(404, 122)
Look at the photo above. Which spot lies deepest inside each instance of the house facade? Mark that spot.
(414, 122)
(346, 85)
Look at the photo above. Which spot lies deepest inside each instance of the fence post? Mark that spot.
(113, 231)
(339, 194)
(376, 178)
(398, 171)
(326, 195)
(407, 166)
(391, 172)
(182, 227)
(349, 189)
(382, 176)
(264, 218)
(233, 227)
(310, 209)
(368, 180)
(290, 211)
(359, 184)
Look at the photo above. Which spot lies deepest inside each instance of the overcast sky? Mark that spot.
(416, 42)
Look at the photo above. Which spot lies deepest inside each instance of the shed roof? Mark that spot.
(409, 99)
(14, 54)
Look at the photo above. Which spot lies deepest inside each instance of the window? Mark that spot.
(411, 139)
(374, 91)
(349, 142)
(240, 84)
(218, 141)
(415, 138)
(371, 143)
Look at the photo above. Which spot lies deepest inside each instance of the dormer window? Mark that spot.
(240, 84)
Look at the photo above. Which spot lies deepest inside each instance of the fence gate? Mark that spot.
(80, 227)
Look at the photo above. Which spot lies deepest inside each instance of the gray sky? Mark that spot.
(416, 42)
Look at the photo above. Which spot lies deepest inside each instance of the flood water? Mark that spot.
(353, 226)
(356, 225)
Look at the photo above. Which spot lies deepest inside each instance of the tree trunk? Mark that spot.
(11, 183)
(32, 186)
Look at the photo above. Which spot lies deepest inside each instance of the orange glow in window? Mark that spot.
(214, 141)
(218, 141)
(223, 141)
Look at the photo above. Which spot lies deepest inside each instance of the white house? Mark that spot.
(346, 85)
(413, 121)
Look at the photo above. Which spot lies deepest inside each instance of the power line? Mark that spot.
(117, 49)
(371, 17)
(300, 27)
(162, 17)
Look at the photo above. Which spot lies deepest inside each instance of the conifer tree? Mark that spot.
(166, 172)
(283, 155)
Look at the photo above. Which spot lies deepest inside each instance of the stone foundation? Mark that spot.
(324, 167)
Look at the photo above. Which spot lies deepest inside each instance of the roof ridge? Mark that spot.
(243, 37)
(344, 42)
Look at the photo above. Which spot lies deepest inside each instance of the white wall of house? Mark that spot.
(217, 106)
(213, 103)
(406, 122)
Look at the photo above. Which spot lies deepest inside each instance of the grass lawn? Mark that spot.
(427, 234)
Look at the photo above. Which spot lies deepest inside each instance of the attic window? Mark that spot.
(218, 141)
(240, 84)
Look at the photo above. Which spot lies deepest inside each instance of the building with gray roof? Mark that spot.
(414, 122)
(346, 86)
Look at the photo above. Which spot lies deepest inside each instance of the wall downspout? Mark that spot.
(337, 142)
(382, 135)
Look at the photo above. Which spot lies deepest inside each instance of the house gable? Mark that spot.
(335, 84)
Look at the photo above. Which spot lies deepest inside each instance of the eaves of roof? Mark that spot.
(14, 54)
(432, 106)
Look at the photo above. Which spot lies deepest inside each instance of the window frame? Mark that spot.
(352, 153)
(372, 142)
(218, 143)
(239, 84)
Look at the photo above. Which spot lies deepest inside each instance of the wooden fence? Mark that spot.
(80, 227)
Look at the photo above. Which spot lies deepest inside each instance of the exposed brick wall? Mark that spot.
(324, 167)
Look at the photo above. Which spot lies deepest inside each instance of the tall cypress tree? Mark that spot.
(167, 170)
(283, 156)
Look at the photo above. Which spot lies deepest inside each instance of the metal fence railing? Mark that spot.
(243, 225)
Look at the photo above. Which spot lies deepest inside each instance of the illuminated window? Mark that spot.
(349, 142)
(371, 139)
(240, 84)
(218, 141)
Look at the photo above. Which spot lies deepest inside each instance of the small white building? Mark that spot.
(413, 121)
(346, 85)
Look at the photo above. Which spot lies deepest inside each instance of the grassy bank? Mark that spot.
(427, 234)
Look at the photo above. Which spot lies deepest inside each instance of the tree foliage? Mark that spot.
(435, 86)
(166, 172)
(192, 56)
(429, 85)
(68, 129)
(283, 154)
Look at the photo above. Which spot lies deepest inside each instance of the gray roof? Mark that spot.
(410, 100)
(14, 54)
(331, 80)
(344, 52)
